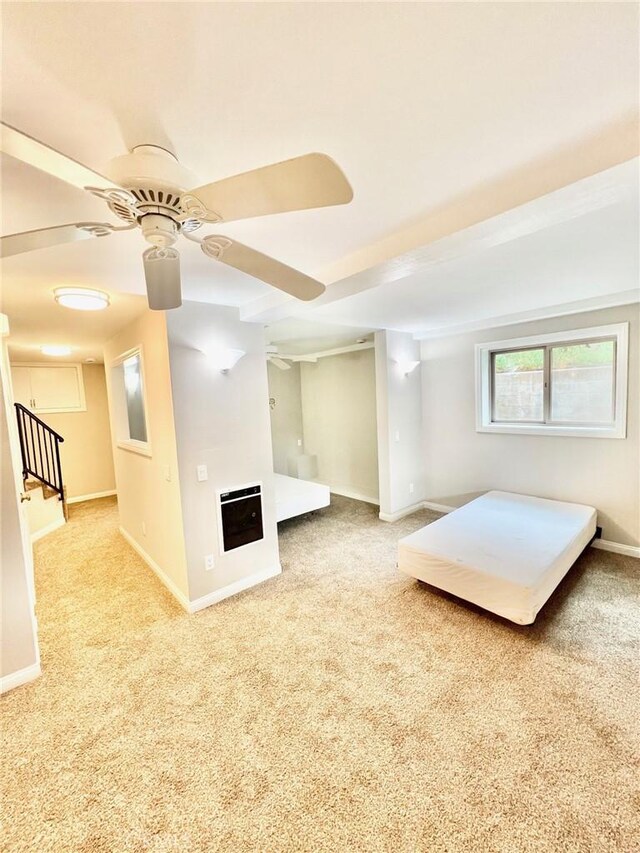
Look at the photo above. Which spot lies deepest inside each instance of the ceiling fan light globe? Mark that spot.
(162, 277)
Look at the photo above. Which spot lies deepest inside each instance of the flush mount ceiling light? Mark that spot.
(55, 349)
(81, 298)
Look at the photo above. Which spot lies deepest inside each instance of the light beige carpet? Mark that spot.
(339, 707)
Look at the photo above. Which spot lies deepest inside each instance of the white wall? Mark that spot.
(461, 463)
(221, 421)
(339, 421)
(148, 486)
(286, 417)
(19, 661)
(399, 415)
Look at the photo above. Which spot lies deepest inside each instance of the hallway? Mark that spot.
(336, 707)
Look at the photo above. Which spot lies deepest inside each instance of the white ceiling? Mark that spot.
(299, 335)
(420, 103)
(589, 257)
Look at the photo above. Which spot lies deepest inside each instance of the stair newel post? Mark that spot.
(21, 438)
(59, 472)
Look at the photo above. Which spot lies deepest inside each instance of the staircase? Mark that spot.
(44, 488)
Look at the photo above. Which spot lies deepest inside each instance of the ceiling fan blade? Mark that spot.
(41, 238)
(23, 147)
(162, 275)
(279, 363)
(313, 180)
(261, 266)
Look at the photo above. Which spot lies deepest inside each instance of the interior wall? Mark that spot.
(286, 417)
(148, 486)
(462, 463)
(399, 416)
(221, 421)
(86, 453)
(18, 628)
(339, 421)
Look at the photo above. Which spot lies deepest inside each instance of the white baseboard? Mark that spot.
(233, 588)
(170, 585)
(438, 507)
(356, 496)
(401, 513)
(409, 510)
(78, 499)
(616, 547)
(22, 676)
(205, 600)
(49, 528)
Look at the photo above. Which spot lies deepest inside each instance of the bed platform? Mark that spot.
(296, 497)
(504, 552)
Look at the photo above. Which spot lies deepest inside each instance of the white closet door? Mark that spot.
(56, 388)
(21, 381)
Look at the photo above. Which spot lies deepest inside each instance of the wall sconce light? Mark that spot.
(407, 367)
(223, 358)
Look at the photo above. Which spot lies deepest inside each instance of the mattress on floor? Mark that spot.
(295, 497)
(504, 552)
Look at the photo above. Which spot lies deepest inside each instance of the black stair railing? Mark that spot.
(40, 449)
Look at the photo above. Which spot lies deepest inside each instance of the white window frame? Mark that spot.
(121, 418)
(619, 332)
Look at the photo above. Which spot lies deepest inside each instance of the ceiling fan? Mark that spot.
(278, 361)
(147, 189)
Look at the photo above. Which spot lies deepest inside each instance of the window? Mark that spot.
(569, 383)
(518, 386)
(582, 379)
(132, 368)
(129, 402)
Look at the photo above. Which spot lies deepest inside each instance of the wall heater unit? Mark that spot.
(241, 516)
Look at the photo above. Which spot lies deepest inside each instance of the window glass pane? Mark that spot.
(582, 383)
(518, 385)
(135, 400)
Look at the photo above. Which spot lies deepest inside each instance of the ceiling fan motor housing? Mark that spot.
(150, 166)
(150, 190)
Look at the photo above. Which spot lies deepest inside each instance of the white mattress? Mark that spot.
(502, 551)
(295, 497)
